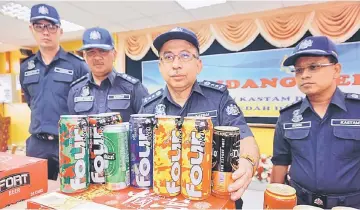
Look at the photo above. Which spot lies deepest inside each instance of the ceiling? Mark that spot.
(119, 16)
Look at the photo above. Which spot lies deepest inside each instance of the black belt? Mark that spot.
(327, 201)
(47, 137)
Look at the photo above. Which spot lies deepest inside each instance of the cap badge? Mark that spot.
(177, 29)
(43, 10)
(95, 35)
(305, 44)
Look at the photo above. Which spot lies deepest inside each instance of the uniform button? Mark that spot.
(242, 131)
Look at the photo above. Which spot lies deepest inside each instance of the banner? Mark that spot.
(257, 81)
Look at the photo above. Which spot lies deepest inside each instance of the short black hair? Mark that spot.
(332, 59)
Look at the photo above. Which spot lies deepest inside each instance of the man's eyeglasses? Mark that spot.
(92, 53)
(183, 56)
(40, 27)
(314, 67)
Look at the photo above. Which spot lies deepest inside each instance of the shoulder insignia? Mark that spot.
(213, 85)
(353, 96)
(128, 78)
(153, 97)
(290, 105)
(79, 80)
(76, 56)
(27, 58)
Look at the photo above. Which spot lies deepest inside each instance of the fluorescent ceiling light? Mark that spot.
(20, 12)
(189, 4)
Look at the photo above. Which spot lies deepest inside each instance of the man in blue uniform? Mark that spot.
(183, 96)
(104, 89)
(45, 79)
(319, 136)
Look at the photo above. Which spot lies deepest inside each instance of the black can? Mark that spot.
(226, 152)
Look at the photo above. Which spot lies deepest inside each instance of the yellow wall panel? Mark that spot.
(264, 138)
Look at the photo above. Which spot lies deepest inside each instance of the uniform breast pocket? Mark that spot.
(347, 142)
(83, 107)
(62, 83)
(120, 105)
(32, 84)
(299, 140)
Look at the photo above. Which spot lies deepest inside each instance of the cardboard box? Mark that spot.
(21, 177)
(131, 198)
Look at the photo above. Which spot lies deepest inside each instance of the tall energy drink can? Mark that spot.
(226, 150)
(196, 157)
(141, 150)
(117, 174)
(167, 155)
(73, 153)
(97, 123)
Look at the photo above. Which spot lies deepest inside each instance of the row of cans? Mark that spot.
(83, 153)
(167, 153)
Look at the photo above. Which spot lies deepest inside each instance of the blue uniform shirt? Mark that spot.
(324, 154)
(46, 88)
(206, 99)
(117, 93)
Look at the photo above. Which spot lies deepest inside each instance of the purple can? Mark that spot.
(141, 150)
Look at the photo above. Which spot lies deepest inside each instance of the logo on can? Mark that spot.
(141, 149)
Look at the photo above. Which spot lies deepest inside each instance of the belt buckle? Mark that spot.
(319, 200)
(50, 137)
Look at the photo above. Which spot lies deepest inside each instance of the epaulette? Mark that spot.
(213, 85)
(128, 78)
(27, 58)
(353, 96)
(152, 97)
(290, 105)
(79, 80)
(76, 56)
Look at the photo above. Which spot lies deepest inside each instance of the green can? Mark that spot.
(74, 153)
(117, 173)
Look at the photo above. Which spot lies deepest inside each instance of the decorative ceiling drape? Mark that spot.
(337, 20)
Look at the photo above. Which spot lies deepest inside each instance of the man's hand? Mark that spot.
(242, 178)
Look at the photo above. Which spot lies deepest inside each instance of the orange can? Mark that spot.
(196, 157)
(279, 196)
(226, 149)
(167, 155)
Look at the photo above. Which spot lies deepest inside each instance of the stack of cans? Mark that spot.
(167, 153)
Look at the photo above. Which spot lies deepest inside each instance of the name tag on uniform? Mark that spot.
(119, 97)
(63, 71)
(32, 72)
(83, 99)
(306, 124)
(345, 122)
(212, 113)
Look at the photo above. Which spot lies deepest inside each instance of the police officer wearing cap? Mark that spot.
(104, 89)
(45, 78)
(184, 96)
(319, 136)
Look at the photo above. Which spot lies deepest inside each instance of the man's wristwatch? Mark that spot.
(251, 160)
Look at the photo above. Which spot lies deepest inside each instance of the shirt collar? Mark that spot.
(195, 88)
(337, 99)
(60, 54)
(111, 77)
